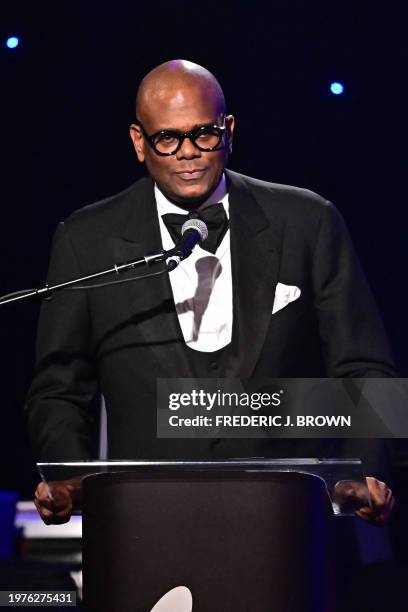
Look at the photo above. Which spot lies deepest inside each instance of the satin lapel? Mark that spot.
(255, 256)
(150, 302)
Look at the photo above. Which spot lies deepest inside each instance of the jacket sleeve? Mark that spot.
(352, 335)
(60, 404)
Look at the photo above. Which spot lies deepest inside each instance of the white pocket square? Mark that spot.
(284, 295)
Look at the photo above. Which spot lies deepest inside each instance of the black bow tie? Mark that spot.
(215, 218)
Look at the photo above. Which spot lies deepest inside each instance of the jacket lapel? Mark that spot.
(150, 302)
(255, 256)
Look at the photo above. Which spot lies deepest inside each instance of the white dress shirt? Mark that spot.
(202, 283)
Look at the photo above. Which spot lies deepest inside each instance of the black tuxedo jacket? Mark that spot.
(118, 340)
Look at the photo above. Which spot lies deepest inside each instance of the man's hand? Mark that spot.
(382, 503)
(353, 496)
(55, 502)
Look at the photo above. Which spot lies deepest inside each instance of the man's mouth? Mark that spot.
(191, 175)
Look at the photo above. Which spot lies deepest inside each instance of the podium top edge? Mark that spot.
(255, 462)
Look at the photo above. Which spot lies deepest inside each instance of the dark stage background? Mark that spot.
(67, 99)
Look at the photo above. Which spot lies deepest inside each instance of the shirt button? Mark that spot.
(214, 365)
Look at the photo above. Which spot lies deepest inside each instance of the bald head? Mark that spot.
(174, 80)
(180, 107)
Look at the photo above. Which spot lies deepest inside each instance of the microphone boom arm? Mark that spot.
(193, 232)
(117, 269)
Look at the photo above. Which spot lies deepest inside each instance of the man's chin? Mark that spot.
(189, 194)
(190, 198)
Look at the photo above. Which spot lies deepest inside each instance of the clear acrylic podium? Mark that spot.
(250, 535)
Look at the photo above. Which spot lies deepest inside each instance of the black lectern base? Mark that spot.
(236, 542)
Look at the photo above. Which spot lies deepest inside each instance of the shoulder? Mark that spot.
(107, 214)
(279, 198)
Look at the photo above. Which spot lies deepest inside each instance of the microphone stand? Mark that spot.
(117, 269)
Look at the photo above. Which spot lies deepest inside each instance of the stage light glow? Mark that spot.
(12, 42)
(337, 88)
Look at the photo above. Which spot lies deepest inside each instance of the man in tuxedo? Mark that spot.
(275, 291)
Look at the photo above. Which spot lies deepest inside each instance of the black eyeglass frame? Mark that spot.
(181, 136)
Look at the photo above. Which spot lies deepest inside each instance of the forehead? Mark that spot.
(179, 108)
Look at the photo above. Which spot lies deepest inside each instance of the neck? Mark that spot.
(216, 195)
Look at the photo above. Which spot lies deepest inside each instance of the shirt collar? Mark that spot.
(219, 195)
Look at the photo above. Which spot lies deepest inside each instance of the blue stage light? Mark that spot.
(12, 42)
(337, 88)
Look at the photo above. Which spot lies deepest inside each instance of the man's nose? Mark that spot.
(188, 150)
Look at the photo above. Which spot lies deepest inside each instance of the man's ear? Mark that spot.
(136, 135)
(230, 125)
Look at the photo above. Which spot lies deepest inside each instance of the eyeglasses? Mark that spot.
(168, 142)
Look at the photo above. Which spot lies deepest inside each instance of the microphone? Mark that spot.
(193, 231)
